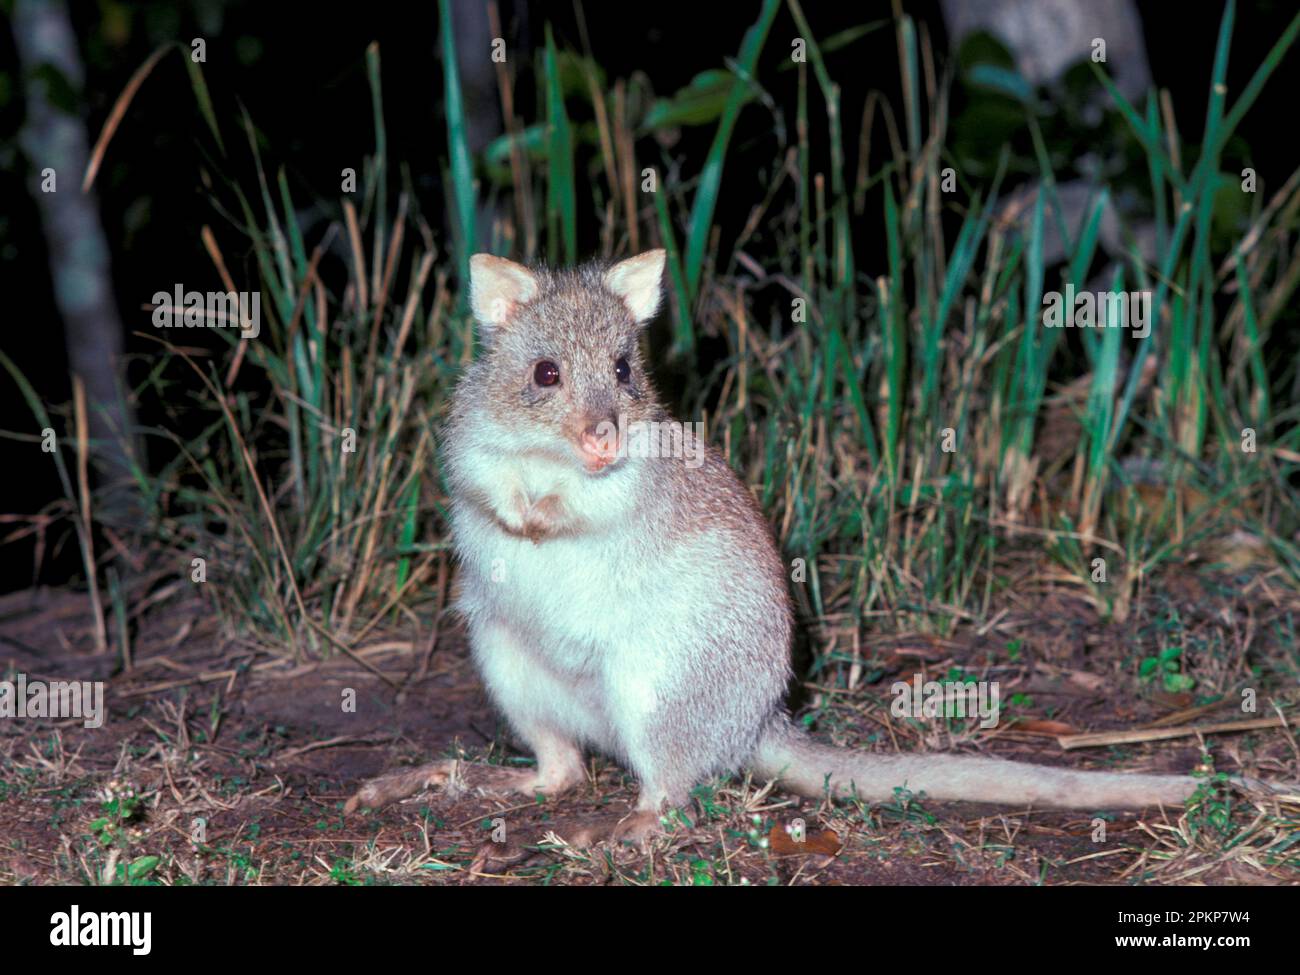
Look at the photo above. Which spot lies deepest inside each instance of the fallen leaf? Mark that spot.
(826, 843)
(1089, 682)
(1174, 702)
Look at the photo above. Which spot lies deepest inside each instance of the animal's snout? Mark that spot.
(599, 443)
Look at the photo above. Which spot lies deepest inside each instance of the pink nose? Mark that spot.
(598, 450)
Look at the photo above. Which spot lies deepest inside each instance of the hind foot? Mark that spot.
(636, 827)
(456, 776)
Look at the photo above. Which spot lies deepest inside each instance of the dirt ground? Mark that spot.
(222, 762)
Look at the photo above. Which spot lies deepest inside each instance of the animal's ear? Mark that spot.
(497, 288)
(639, 282)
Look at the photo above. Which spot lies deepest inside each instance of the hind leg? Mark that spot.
(667, 765)
(672, 733)
(547, 713)
(644, 821)
(542, 711)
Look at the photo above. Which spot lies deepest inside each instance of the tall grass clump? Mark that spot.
(868, 348)
(301, 483)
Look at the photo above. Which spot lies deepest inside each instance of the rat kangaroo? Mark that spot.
(630, 599)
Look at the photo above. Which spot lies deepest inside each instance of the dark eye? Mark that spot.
(622, 370)
(546, 373)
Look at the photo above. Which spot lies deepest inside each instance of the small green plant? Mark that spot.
(707, 796)
(343, 873)
(137, 872)
(116, 830)
(1210, 808)
(701, 873)
(905, 807)
(241, 861)
(1166, 669)
(121, 809)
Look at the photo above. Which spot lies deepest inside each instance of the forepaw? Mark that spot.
(537, 520)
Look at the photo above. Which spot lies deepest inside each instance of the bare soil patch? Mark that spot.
(222, 762)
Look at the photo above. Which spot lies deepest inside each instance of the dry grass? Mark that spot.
(259, 750)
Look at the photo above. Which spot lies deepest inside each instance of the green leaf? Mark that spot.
(573, 71)
(142, 867)
(982, 47)
(700, 102)
(532, 140)
(1004, 81)
(58, 90)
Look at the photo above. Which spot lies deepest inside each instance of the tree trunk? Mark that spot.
(1048, 36)
(55, 140)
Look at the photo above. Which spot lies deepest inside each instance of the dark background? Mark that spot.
(299, 70)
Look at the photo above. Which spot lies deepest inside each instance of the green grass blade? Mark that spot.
(706, 195)
(684, 333)
(462, 166)
(561, 196)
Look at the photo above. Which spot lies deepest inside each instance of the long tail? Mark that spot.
(809, 769)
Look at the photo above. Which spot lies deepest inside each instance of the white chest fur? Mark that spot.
(571, 592)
